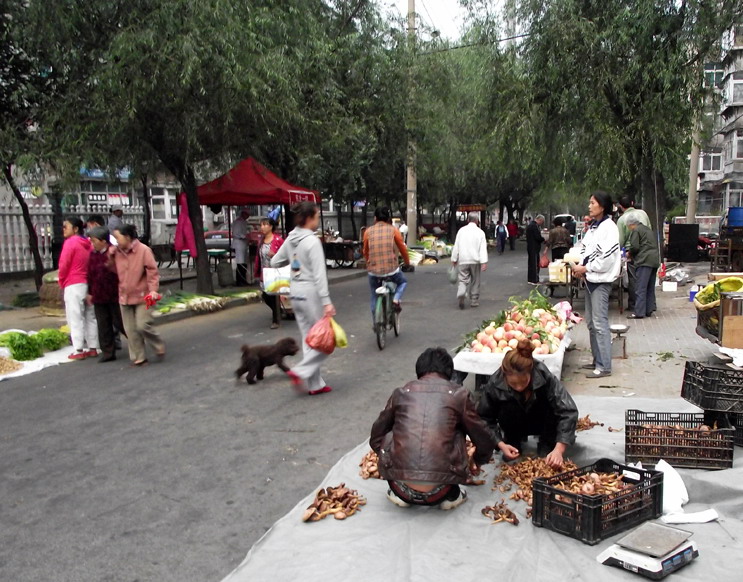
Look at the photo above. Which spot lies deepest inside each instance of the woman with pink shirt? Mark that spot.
(139, 280)
(73, 279)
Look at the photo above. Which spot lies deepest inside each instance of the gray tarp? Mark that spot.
(390, 544)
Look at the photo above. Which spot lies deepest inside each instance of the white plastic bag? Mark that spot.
(453, 275)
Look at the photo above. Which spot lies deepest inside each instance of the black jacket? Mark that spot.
(534, 238)
(420, 435)
(497, 395)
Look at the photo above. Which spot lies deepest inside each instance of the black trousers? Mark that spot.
(108, 317)
(241, 275)
(559, 253)
(631, 285)
(518, 424)
(533, 270)
(512, 242)
(273, 302)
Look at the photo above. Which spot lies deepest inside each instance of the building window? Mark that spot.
(735, 198)
(163, 203)
(710, 162)
(100, 195)
(737, 93)
(739, 144)
(714, 73)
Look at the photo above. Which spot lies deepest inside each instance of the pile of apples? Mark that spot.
(543, 328)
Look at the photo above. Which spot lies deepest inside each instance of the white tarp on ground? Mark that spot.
(390, 544)
(47, 360)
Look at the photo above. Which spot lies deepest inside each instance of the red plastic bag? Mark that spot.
(544, 261)
(321, 336)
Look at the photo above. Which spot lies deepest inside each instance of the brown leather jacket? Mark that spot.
(420, 435)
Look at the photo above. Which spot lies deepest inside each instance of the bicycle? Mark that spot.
(385, 316)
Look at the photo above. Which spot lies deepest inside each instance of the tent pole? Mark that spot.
(322, 220)
(229, 234)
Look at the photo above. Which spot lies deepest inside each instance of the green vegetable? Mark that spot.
(23, 347)
(51, 340)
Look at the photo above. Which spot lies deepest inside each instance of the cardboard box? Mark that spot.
(670, 286)
(732, 332)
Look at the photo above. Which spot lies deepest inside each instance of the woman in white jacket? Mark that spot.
(601, 264)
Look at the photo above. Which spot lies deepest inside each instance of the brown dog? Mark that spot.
(256, 358)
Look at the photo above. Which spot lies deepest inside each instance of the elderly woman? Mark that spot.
(642, 246)
(600, 266)
(308, 292)
(270, 244)
(139, 281)
(73, 279)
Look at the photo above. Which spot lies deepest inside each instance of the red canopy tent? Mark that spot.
(247, 183)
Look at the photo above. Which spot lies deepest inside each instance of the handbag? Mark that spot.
(276, 281)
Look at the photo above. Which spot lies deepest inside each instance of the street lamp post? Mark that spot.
(412, 179)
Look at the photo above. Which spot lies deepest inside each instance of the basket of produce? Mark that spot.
(709, 320)
(682, 439)
(713, 387)
(709, 297)
(598, 501)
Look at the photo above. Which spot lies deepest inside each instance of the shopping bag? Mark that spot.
(544, 261)
(341, 341)
(321, 336)
(453, 275)
(276, 281)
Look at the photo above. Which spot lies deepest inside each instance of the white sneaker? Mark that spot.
(446, 505)
(395, 499)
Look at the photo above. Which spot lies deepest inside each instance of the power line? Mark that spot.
(481, 43)
(430, 19)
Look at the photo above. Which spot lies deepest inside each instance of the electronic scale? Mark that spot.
(652, 550)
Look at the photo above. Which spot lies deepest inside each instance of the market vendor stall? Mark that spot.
(383, 542)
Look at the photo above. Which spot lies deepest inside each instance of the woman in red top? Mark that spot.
(73, 279)
(513, 233)
(269, 245)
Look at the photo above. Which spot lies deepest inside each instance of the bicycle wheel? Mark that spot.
(396, 322)
(380, 322)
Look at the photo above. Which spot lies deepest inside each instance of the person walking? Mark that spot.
(240, 245)
(382, 242)
(642, 247)
(308, 292)
(534, 242)
(513, 233)
(73, 279)
(270, 245)
(501, 236)
(139, 283)
(626, 205)
(115, 220)
(601, 263)
(103, 293)
(404, 231)
(559, 240)
(470, 255)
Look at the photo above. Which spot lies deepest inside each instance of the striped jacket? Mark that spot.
(600, 252)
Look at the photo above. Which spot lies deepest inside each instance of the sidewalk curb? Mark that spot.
(180, 315)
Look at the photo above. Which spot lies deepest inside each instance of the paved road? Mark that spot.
(173, 471)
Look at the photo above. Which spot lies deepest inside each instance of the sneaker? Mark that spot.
(461, 303)
(448, 504)
(598, 374)
(78, 355)
(395, 499)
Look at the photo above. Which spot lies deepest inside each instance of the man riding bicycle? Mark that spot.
(380, 241)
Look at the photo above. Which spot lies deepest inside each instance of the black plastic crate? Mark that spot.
(737, 422)
(592, 518)
(671, 436)
(713, 387)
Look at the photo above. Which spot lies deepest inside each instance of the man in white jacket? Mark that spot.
(470, 253)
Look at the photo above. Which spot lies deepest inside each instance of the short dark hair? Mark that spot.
(128, 230)
(75, 222)
(626, 201)
(96, 219)
(604, 201)
(435, 361)
(383, 214)
(269, 221)
(303, 211)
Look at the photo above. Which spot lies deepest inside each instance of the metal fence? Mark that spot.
(15, 252)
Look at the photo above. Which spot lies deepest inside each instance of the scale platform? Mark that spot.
(652, 550)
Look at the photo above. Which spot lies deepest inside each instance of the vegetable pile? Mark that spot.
(7, 366)
(24, 347)
(711, 293)
(192, 301)
(340, 502)
(593, 484)
(534, 319)
(370, 466)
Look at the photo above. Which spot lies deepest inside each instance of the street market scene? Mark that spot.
(427, 291)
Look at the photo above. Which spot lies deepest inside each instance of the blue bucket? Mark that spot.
(735, 216)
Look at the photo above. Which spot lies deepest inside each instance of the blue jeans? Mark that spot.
(597, 319)
(374, 282)
(644, 291)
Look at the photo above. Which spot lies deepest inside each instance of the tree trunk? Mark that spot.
(452, 219)
(33, 239)
(55, 198)
(204, 284)
(339, 218)
(147, 235)
(353, 225)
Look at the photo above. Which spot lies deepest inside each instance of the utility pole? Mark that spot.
(412, 178)
(691, 202)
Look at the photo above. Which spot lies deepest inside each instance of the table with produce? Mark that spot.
(534, 318)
